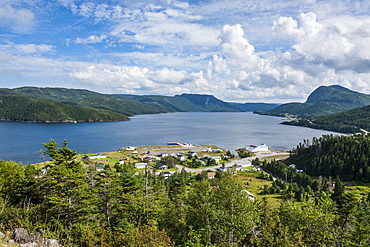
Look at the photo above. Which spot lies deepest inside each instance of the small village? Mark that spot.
(192, 158)
(196, 159)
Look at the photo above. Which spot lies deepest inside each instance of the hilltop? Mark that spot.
(322, 101)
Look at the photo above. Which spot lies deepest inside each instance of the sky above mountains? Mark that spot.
(237, 50)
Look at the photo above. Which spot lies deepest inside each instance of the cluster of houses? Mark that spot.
(147, 158)
(239, 165)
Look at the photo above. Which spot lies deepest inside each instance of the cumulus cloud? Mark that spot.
(131, 77)
(340, 43)
(18, 20)
(168, 76)
(91, 39)
(236, 48)
(274, 54)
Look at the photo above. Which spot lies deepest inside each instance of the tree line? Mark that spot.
(334, 155)
(71, 201)
(23, 108)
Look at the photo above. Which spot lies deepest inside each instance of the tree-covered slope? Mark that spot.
(254, 106)
(338, 94)
(126, 104)
(324, 100)
(208, 102)
(87, 98)
(351, 121)
(185, 103)
(344, 156)
(23, 108)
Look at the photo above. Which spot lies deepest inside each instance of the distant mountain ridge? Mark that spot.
(322, 101)
(80, 102)
(28, 109)
(250, 107)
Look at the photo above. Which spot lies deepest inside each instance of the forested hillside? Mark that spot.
(86, 98)
(329, 155)
(22, 108)
(78, 205)
(351, 121)
(117, 105)
(324, 100)
(255, 106)
(186, 103)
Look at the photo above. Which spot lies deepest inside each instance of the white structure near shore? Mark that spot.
(255, 149)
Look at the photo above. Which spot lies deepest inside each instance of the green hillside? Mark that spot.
(183, 103)
(23, 108)
(61, 104)
(351, 121)
(126, 104)
(324, 100)
(334, 155)
(250, 107)
(87, 98)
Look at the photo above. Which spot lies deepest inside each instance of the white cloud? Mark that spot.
(18, 20)
(168, 32)
(21, 49)
(129, 78)
(168, 76)
(32, 48)
(170, 47)
(91, 39)
(236, 48)
(341, 43)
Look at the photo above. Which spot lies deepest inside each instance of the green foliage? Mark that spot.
(23, 108)
(243, 153)
(169, 161)
(61, 104)
(250, 107)
(116, 206)
(323, 101)
(343, 156)
(351, 121)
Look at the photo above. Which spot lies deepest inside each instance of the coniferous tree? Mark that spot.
(65, 189)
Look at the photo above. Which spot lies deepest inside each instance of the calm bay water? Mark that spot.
(22, 141)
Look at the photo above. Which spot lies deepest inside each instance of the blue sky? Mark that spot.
(237, 50)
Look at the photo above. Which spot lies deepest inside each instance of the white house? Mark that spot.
(140, 165)
(255, 149)
(217, 159)
(99, 156)
(243, 163)
(181, 157)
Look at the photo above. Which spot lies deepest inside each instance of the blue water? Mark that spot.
(22, 141)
